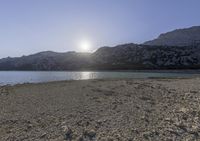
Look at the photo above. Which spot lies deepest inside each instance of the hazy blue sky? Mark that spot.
(30, 26)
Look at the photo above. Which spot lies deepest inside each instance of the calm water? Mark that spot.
(16, 77)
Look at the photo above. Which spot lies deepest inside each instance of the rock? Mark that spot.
(150, 134)
(90, 133)
(43, 135)
(174, 132)
(181, 126)
(99, 122)
(168, 119)
(193, 91)
(183, 110)
(29, 126)
(68, 134)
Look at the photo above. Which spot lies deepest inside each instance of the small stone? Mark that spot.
(29, 126)
(135, 131)
(167, 119)
(43, 135)
(64, 128)
(183, 110)
(182, 127)
(195, 127)
(99, 122)
(110, 139)
(68, 134)
(90, 133)
(193, 91)
(118, 136)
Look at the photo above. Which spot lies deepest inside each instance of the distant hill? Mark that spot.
(121, 57)
(46, 61)
(180, 37)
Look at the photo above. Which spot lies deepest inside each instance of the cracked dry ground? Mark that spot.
(103, 110)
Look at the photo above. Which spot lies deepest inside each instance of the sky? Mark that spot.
(30, 26)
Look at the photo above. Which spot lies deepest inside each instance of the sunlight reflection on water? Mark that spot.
(86, 75)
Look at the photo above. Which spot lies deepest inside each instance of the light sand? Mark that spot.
(103, 110)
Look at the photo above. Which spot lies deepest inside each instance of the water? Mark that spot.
(19, 77)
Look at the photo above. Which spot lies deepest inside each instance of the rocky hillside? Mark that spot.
(132, 56)
(128, 56)
(178, 49)
(46, 61)
(180, 37)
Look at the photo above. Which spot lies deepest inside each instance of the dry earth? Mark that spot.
(103, 110)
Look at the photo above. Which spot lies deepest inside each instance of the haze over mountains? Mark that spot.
(178, 49)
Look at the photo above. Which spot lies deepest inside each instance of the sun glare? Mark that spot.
(85, 46)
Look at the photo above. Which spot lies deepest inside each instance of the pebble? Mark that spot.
(43, 135)
(90, 133)
(68, 134)
(183, 110)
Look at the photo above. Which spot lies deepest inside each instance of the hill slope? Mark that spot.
(46, 61)
(180, 37)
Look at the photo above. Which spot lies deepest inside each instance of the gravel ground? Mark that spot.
(102, 110)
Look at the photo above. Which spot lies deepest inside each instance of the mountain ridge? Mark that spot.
(179, 37)
(121, 57)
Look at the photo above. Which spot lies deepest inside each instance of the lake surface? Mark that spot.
(19, 77)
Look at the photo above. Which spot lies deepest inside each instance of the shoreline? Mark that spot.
(97, 79)
(12, 78)
(101, 109)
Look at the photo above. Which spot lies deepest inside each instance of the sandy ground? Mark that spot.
(103, 110)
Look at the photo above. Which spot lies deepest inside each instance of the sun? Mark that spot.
(85, 46)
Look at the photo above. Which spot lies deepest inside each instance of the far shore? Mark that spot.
(111, 70)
